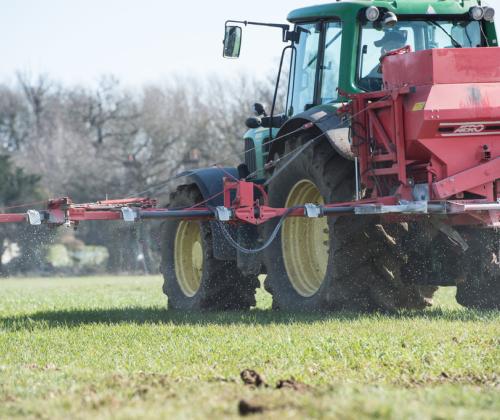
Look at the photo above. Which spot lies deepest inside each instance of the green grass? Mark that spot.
(108, 347)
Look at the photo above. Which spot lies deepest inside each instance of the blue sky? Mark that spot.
(138, 41)
(75, 41)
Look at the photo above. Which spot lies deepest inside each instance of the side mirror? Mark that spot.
(232, 42)
(253, 122)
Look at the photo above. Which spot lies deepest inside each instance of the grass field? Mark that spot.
(108, 347)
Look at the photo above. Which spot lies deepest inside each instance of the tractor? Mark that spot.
(347, 60)
(378, 183)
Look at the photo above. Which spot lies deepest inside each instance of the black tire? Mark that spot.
(394, 270)
(365, 259)
(479, 285)
(221, 286)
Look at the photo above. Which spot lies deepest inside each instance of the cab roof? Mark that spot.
(400, 7)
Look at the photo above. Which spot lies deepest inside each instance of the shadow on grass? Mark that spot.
(155, 315)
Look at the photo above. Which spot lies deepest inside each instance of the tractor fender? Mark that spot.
(209, 182)
(327, 121)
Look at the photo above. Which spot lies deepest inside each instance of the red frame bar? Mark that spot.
(470, 178)
(13, 218)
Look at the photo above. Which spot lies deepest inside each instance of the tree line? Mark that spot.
(110, 141)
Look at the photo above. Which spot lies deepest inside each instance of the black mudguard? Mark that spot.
(209, 182)
(326, 120)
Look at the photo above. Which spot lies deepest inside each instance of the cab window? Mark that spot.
(304, 68)
(331, 63)
(315, 66)
(418, 34)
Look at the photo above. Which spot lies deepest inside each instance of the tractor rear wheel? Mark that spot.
(193, 278)
(345, 262)
(479, 285)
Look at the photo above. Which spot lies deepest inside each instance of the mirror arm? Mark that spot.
(285, 28)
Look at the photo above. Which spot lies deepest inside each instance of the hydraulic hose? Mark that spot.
(271, 238)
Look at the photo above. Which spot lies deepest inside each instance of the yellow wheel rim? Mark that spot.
(305, 242)
(188, 257)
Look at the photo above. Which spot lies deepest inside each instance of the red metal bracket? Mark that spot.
(245, 206)
(468, 179)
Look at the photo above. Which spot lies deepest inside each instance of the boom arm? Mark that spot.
(245, 208)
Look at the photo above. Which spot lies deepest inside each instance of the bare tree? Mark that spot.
(36, 91)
